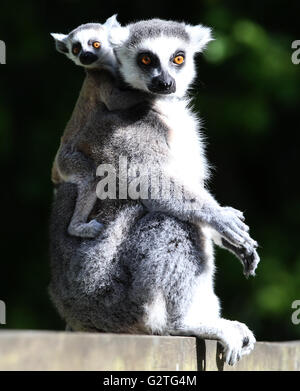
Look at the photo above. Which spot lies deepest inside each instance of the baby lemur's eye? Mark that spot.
(76, 48)
(96, 44)
(178, 60)
(146, 60)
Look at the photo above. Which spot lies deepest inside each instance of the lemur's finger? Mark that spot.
(236, 227)
(239, 238)
(242, 225)
(254, 263)
(250, 263)
(248, 239)
(247, 256)
(233, 237)
(247, 262)
(236, 212)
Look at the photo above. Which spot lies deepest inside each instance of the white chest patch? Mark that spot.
(187, 162)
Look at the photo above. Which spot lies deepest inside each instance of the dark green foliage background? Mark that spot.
(247, 93)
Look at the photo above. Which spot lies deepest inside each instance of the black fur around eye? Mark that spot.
(76, 48)
(147, 59)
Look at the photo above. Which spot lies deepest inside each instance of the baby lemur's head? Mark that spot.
(88, 44)
(157, 56)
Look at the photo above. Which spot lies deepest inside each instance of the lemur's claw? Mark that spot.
(238, 341)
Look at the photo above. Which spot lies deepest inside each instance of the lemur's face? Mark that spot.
(158, 56)
(88, 44)
(162, 65)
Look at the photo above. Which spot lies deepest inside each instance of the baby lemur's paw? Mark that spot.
(237, 341)
(86, 230)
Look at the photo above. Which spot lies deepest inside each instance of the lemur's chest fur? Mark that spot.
(186, 160)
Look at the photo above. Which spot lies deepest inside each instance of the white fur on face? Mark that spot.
(164, 47)
(105, 53)
(85, 35)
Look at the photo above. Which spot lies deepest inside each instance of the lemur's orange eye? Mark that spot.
(96, 44)
(75, 50)
(146, 60)
(178, 60)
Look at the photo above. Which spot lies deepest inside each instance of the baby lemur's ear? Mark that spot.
(118, 35)
(200, 36)
(112, 22)
(60, 42)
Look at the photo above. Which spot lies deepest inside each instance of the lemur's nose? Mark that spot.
(164, 84)
(87, 58)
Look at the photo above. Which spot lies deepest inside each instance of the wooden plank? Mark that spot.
(94, 352)
(38, 350)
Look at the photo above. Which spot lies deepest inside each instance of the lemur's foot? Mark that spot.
(230, 225)
(237, 341)
(86, 230)
(247, 255)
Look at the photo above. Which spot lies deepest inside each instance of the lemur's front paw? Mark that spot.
(247, 255)
(86, 230)
(250, 260)
(237, 341)
(229, 223)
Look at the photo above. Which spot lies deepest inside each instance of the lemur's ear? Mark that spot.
(200, 36)
(118, 36)
(60, 42)
(112, 22)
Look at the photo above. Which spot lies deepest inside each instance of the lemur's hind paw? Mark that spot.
(86, 230)
(238, 341)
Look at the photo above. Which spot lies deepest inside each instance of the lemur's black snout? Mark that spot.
(163, 84)
(87, 58)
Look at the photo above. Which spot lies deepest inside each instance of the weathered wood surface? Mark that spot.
(38, 350)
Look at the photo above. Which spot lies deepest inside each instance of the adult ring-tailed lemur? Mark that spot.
(151, 267)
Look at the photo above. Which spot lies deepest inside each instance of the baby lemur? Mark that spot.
(87, 46)
(151, 269)
(102, 91)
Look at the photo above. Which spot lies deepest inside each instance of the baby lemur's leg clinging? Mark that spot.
(75, 167)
